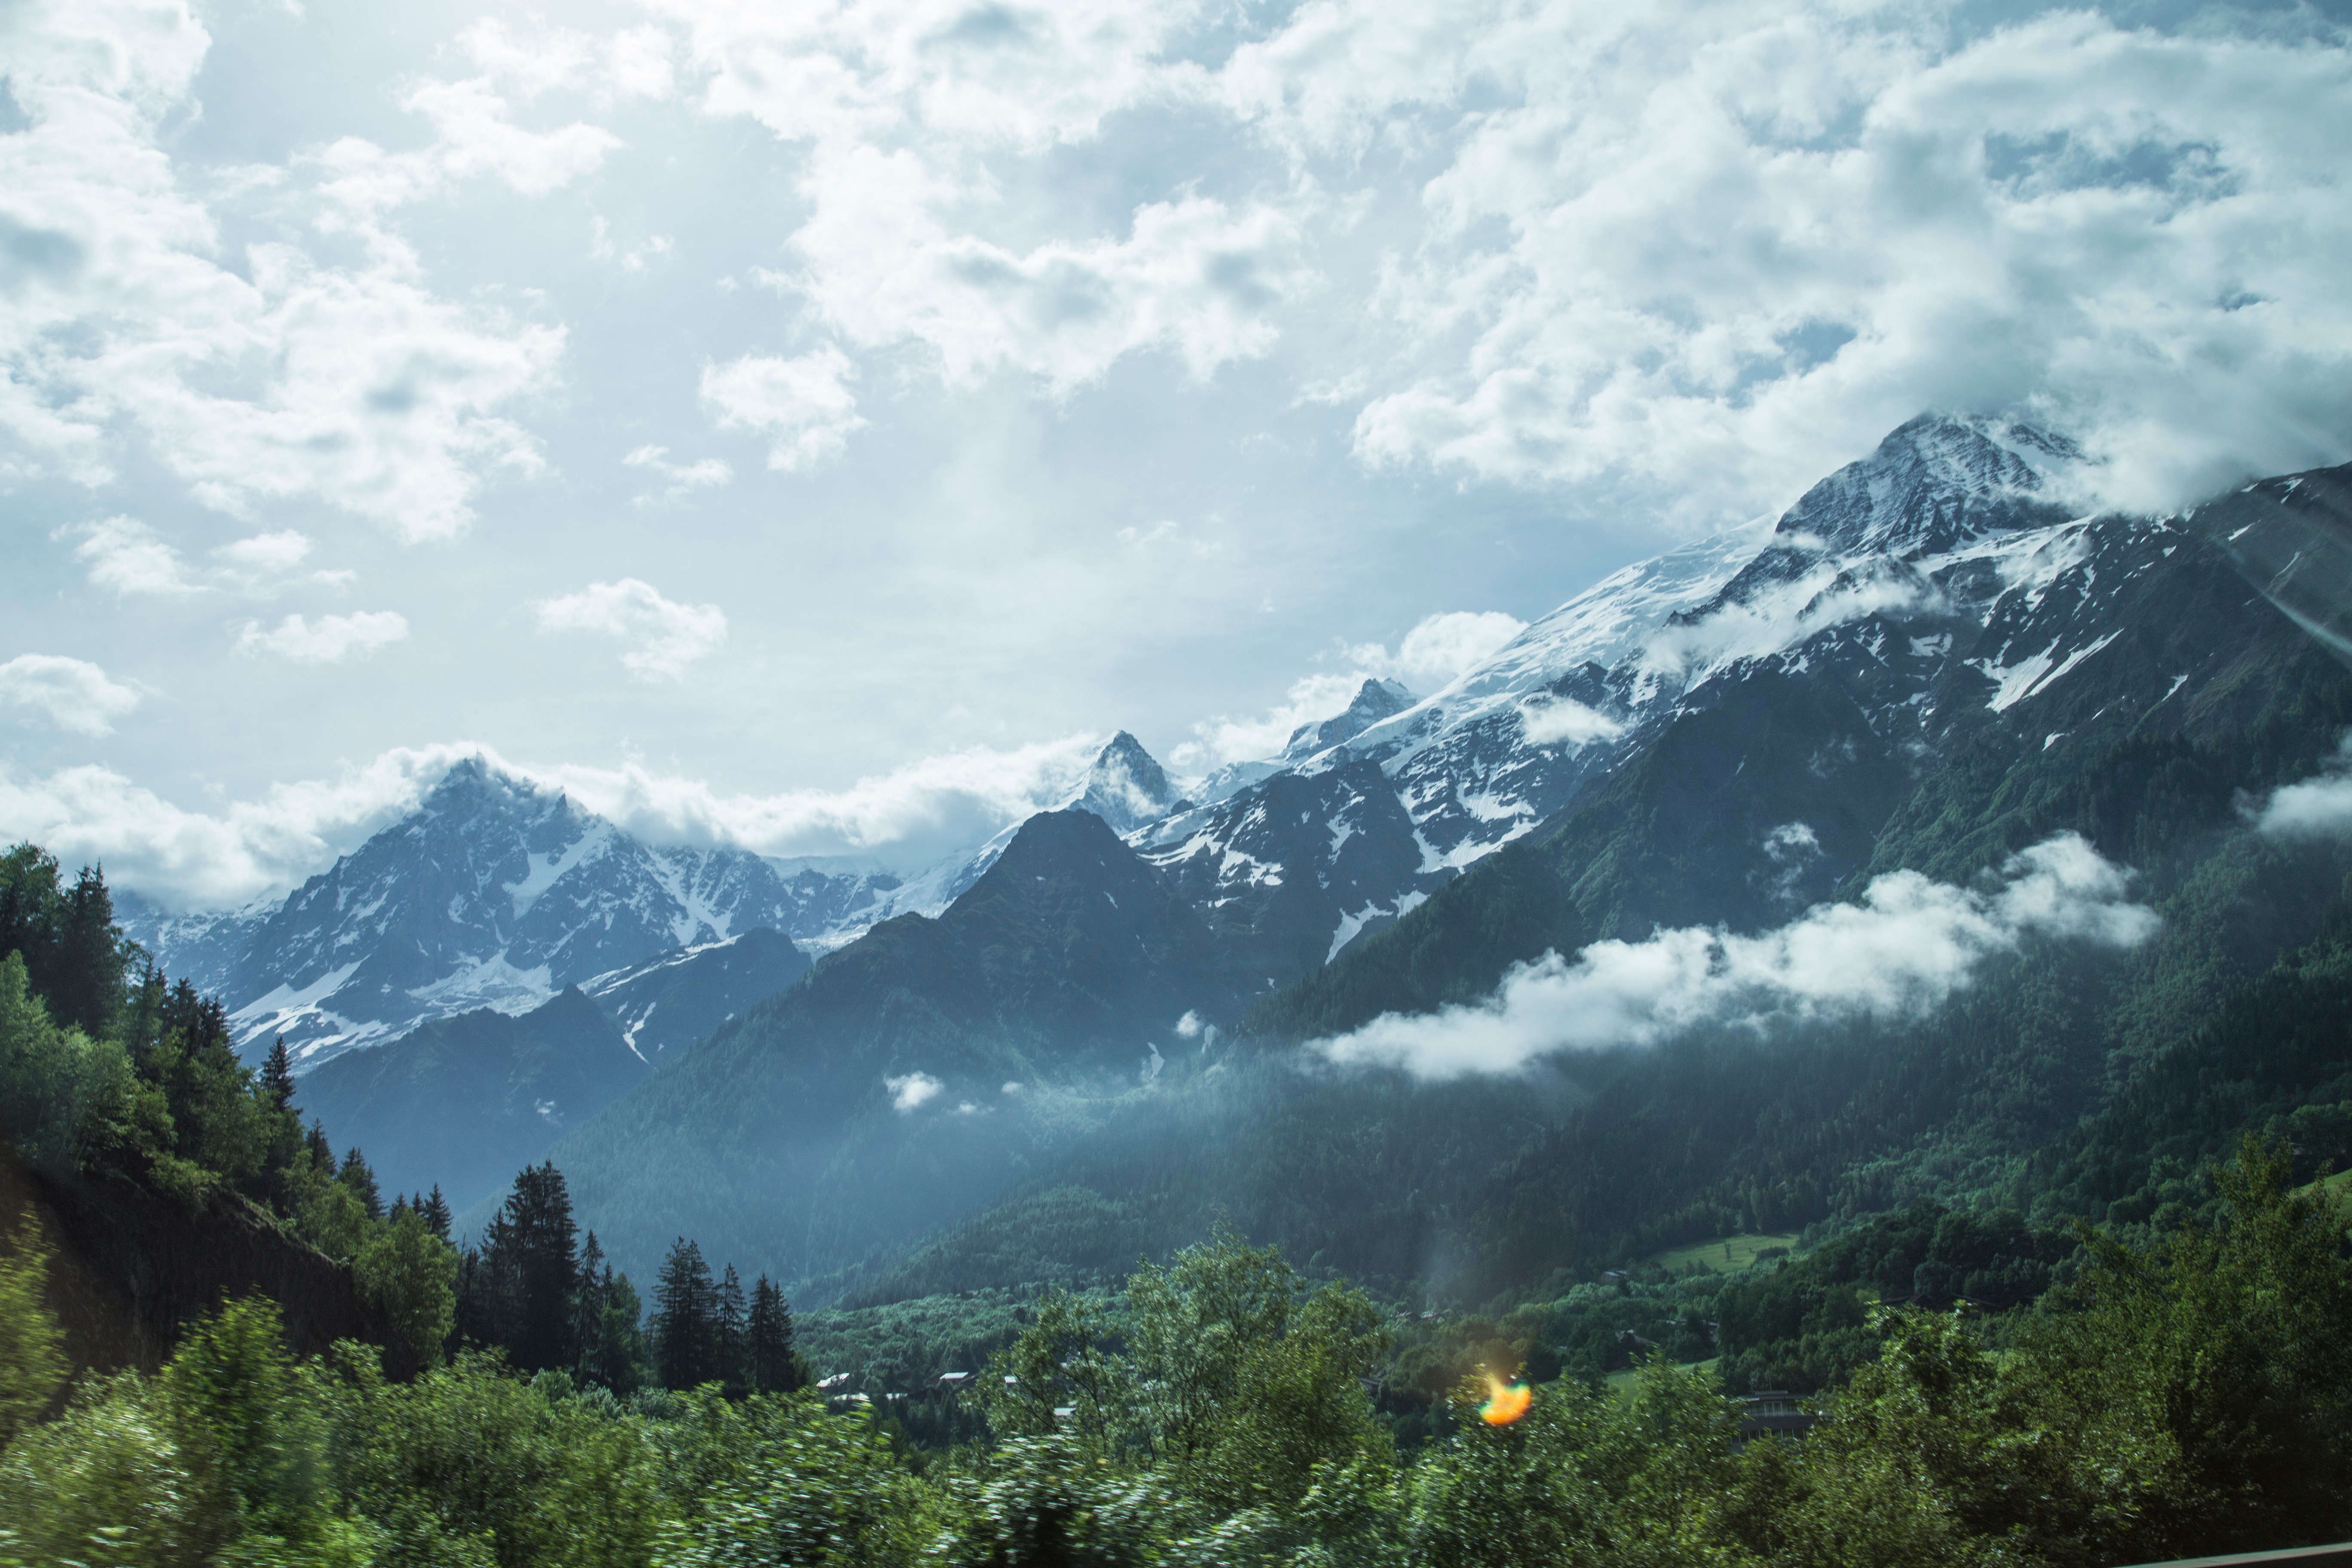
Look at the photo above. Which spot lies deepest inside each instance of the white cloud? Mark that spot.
(126, 556)
(260, 376)
(1440, 647)
(920, 809)
(1563, 721)
(1708, 251)
(71, 693)
(912, 1090)
(684, 478)
(1909, 945)
(329, 639)
(201, 859)
(2316, 807)
(662, 638)
(1429, 657)
(914, 813)
(1194, 278)
(1225, 738)
(804, 404)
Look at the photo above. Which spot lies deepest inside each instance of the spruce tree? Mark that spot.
(727, 1333)
(32, 911)
(623, 1355)
(322, 1153)
(536, 1251)
(277, 1078)
(436, 1209)
(356, 1176)
(769, 1364)
(685, 1314)
(92, 962)
(588, 1315)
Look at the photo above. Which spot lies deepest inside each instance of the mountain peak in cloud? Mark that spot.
(1934, 481)
(1126, 786)
(1374, 700)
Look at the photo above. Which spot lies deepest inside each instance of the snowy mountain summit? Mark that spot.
(493, 892)
(1915, 595)
(1931, 582)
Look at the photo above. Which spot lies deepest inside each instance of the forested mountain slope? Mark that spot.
(906, 1078)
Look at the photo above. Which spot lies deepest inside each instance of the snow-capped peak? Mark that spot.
(1125, 787)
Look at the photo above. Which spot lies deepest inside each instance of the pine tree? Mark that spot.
(771, 1366)
(32, 911)
(92, 961)
(436, 1209)
(322, 1153)
(727, 1333)
(278, 1075)
(356, 1176)
(533, 1249)
(623, 1355)
(588, 1315)
(685, 1313)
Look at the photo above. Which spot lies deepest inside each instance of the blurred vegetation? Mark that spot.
(2188, 1395)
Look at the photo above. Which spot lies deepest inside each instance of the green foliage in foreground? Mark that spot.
(2192, 1395)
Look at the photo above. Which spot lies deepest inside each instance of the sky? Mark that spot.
(819, 427)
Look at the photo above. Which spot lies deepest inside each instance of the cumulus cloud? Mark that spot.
(211, 859)
(680, 479)
(277, 378)
(71, 693)
(916, 810)
(126, 557)
(329, 639)
(804, 404)
(1709, 250)
(1194, 278)
(912, 814)
(1439, 647)
(912, 1090)
(1909, 945)
(661, 638)
(1225, 738)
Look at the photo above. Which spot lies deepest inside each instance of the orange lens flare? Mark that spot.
(1509, 1403)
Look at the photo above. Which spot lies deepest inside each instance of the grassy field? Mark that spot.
(1722, 1255)
(1621, 1383)
(2337, 1188)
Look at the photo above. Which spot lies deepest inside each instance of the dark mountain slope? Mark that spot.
(467, 1101)
(675, 998)
(2188, 681)
(903, 1079)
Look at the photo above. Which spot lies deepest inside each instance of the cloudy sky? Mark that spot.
(819, 425)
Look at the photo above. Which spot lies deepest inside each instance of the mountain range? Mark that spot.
(1082, 1037)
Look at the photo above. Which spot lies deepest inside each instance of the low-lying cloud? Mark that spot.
(2318, 807)
(909, 1090)
(1908, 946)
(908, 816)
